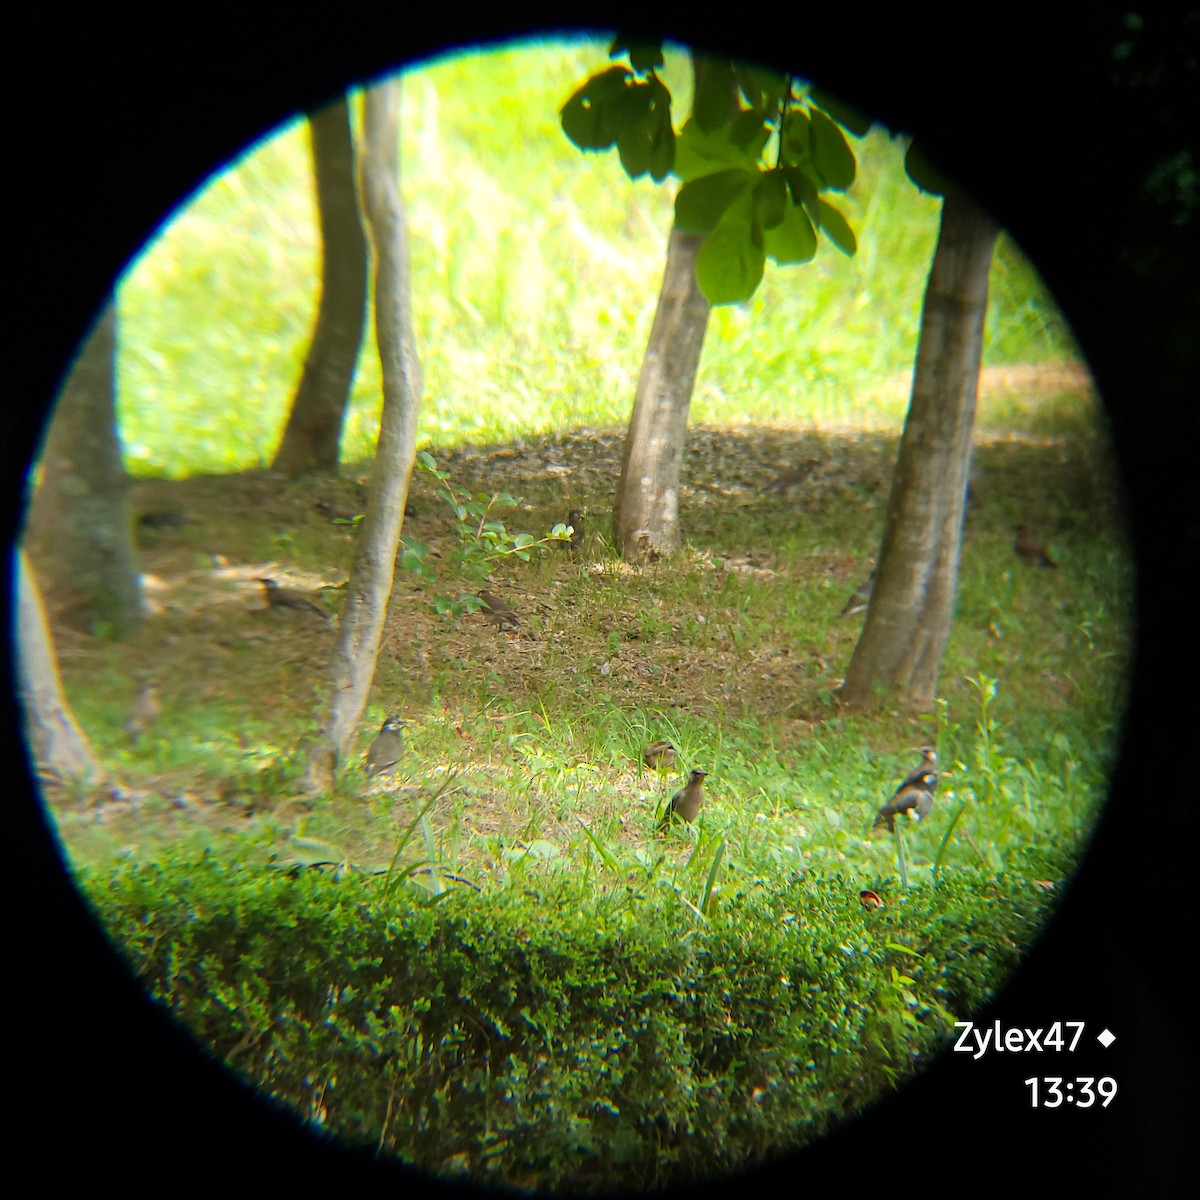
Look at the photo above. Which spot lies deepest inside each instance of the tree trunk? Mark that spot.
(646, 510)
(59, 747)
(908, 619)
(370, 585)
(314, 428)
(79, 532)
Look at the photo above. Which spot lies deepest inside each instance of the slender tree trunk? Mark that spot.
(59, 746)
(646, 511)
(79, 532)
(370, 585)
(314, 428)
(908, 620)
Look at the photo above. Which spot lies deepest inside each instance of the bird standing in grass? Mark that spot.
(281, 597)
(687, 801)
(659, 755)
(789, 481)
(914, 795)
(144, 712)
(1034, 553)
(861, 597)
(385, 751)
(497, 612)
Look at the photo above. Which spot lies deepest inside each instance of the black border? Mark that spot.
(122, 114)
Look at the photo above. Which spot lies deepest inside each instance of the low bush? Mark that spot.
(549, 1035)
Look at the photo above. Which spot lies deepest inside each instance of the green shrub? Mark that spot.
(545, 1035)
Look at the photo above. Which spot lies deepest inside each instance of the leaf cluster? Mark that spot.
(755, 155)
(482, 538)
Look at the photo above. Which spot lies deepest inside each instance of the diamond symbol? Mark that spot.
(1105, 1038)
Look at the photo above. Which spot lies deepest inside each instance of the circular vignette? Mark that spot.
(1059, 157)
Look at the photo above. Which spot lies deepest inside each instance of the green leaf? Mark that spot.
(646, 140)
(701, 203)
(587, 115)
(698, 153)
(634, 148)
(837, 228)
(662, 150)
(707, 900)
(923, 173)
(795, 241)
(763, 87)
(796, 140)
(713, 103)
(729, 266)
(844, 114)
(644, 54)
(628, 109)
(803, 189)
(771, 199)
(831, 153)
(750, 132)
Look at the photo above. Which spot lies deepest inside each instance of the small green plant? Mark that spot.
(482, 538)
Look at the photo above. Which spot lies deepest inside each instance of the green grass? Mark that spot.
(522, 780)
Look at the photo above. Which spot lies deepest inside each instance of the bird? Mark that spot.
(686, 802)
(496, 611)
(575, 541)
(1030, 551)
(659, 755)
(339, 514)
(788, 481)
(348, 514)
(861, 597)
(144, 711)
(387, 747)
(914, 795)
(160, 519)
(281, 597)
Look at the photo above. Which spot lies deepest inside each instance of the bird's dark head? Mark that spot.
(268, 582)
(575, 517)
(697, 775)
(395, 723)
(928, 753)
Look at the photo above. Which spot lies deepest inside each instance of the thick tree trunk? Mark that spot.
(60, 750)
(314, 428)
(79, 532)
(370, 585)
(908, 620)
(646, 511)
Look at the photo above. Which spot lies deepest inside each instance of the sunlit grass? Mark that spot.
(535, 272)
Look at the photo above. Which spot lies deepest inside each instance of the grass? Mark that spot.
(535, 271)
(732, 651)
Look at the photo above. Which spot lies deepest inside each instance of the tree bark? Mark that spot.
(646, 510)
(909, 616)
(79, 531)
(314, 427)
(370, 585)
(59, 746)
